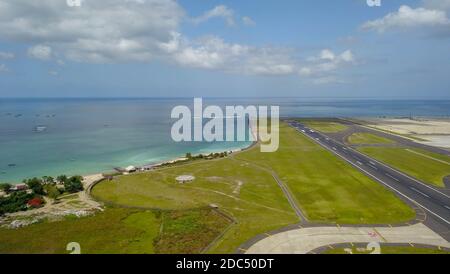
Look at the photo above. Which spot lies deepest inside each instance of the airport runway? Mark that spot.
(434, 202)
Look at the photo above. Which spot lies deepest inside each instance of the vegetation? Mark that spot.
(5, 187)
(73, 184)
(21, 200)
(243, 186)
(327, 188)
(36, 185)
(178, 218)
(250, 195)
(368, 138)
(189, 232)
(324, 126)
(118, 230)
(16, 201)
(423, 165)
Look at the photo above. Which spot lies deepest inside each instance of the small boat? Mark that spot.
(40, 128)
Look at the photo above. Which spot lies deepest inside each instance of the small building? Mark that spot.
(185, 179)
(19, 187)
(131, 169)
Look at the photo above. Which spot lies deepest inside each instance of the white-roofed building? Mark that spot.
(185, 179)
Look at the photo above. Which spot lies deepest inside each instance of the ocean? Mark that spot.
(84, 136)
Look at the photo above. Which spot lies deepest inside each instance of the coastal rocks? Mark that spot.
(13, 223)
(22, 223)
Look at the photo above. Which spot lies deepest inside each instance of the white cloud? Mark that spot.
(41, 52)
(248, 21)
(3, 68)
(321, 69)
(214, 53)
(6, 55)
(217, 12)
(407, 17)
(327, 54)
(98, 31)
(53, 73)
(113, 31)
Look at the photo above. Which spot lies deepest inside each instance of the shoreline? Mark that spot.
(145, 165)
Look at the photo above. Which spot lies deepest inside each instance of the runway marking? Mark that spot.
(392, 177)
(334, 148)
(447, 207)
(407, 176)
(392, 188)
(359, 163)
(374, 167)
(372, 163)
(429, 157)
(420, 192)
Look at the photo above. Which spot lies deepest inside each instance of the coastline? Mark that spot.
(149, 166)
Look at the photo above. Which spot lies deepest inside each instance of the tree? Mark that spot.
(52, 191)
(61, 178)
(5, 187)
(48, 180)
(189, 155)
(35, 184)
(74, 184)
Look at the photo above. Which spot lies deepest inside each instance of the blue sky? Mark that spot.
(251, 48)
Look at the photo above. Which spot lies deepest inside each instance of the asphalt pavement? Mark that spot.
(434, 201)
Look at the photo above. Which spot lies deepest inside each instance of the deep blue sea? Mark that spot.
(83, 136)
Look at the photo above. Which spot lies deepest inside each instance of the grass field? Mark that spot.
(119, 230)
(392, 250)
(250, 195)
(327, 188)
(426, 166)
(368, 138)
(324, 126)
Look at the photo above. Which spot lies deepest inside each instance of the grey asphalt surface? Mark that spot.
(434, 202)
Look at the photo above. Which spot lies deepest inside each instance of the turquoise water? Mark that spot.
(84, 136)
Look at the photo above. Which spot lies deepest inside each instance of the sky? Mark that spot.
(209, 48)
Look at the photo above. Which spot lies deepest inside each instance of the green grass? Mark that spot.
(327, 188)
(119, 231)
(392, 250)
(324, 126)
(258, 204)
(112, 231)
(368, 138)
(428, 167)
(189, 232)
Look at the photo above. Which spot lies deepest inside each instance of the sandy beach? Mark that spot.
(430, 131)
